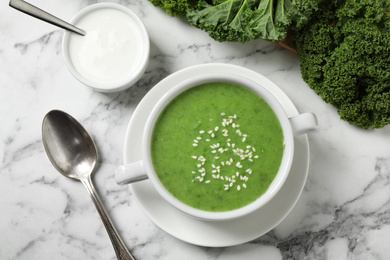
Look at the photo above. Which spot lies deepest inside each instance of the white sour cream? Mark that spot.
(112, 48)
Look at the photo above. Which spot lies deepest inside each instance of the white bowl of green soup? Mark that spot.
(217, 147)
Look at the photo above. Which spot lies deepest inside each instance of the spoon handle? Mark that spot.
(44, 16)
(120, 249)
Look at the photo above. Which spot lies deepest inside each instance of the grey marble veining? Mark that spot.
(343, 212)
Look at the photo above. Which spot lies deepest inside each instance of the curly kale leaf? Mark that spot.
(177, 8)
(301, 11)
(345, 58)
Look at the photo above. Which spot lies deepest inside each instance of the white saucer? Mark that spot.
(204, 233)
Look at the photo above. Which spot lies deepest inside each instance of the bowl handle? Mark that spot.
(303, 123)
(130, 173)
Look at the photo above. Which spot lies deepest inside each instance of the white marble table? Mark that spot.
(343, 212)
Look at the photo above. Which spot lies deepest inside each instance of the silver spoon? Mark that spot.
(44, 16)
(73, 153)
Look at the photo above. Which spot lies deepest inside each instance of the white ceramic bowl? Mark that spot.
(291, 126)
(112, 50)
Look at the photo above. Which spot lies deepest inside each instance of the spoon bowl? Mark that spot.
(68, 145)
(73, 153)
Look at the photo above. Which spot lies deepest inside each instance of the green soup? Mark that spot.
(217, 147)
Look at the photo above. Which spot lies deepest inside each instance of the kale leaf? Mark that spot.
(177, 8)
(241, 20)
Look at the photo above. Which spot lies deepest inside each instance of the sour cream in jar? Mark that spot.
(115, 50)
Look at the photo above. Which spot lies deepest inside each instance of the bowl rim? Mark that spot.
(120, 84)
(277, 182)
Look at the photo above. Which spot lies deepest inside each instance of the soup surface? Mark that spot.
(217, 147)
